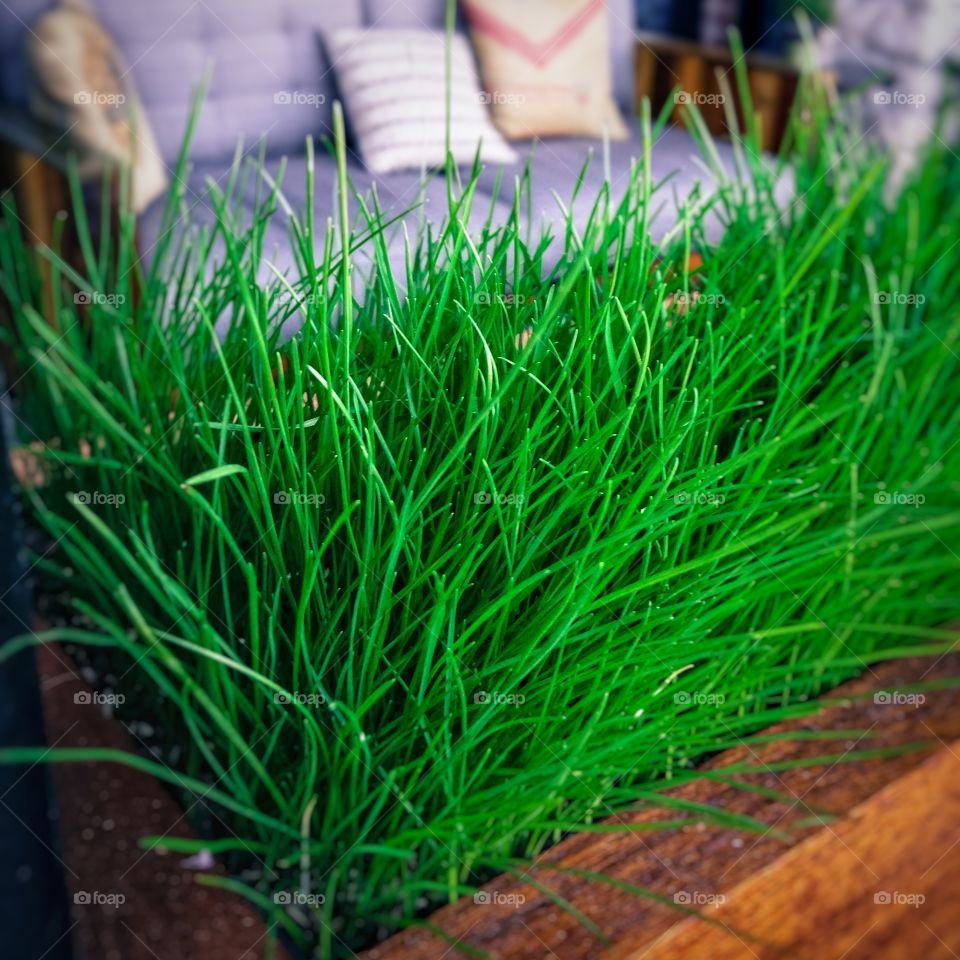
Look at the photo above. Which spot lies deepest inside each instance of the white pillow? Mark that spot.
(394, 91)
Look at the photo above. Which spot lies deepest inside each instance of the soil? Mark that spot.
(127, 903)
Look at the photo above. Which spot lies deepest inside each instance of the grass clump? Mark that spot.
(476, 560)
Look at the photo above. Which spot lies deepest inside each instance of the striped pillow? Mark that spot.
(393, 85)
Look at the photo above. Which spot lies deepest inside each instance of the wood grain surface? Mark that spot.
(879, 883)
(818, 814)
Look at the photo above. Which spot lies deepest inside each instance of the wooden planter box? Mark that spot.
(860, 862)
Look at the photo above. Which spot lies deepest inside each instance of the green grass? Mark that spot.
(473, 595)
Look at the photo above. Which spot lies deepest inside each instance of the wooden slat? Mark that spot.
(41, 195)
(690, 70)
(767, 90)
(645, 72)
(879, 883)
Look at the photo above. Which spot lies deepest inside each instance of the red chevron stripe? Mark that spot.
(537, 52)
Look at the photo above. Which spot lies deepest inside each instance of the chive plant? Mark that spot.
(496, 549)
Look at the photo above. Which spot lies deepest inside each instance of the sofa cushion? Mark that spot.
(269, 75)
(546, 65)
(393, 84)
(197, 207)
(178, 240)
(418, 202)
(557, 165)
(408, 198)
(432, 15)
(82, 89)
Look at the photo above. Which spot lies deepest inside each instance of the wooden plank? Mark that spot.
(898, 836)
(42, 196)
(645, 73)
(667, 46)
(767, 91)
(690, 70)
(880, 883)
(697, 862)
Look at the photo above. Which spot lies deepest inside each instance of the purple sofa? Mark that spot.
(260, 51)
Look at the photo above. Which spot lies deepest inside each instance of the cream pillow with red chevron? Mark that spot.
(546, 67)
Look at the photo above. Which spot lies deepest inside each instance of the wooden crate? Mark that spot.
(668, 69)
